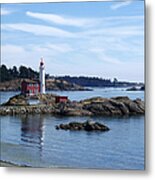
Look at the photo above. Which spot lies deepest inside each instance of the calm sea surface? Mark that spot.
(32, 140)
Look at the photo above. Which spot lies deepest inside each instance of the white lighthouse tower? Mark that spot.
(42, 76)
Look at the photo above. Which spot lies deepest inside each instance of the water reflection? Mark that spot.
(32, 131)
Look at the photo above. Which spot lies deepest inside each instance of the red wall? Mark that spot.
(61, 99)
(30, 88)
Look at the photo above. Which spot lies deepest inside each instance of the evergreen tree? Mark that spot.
(4, 75)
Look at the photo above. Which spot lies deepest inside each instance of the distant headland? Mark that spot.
(11, 79)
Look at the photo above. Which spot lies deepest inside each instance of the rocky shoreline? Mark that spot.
(97, 106)
(10, 164)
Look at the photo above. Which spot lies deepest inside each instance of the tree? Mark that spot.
(4, 76)
(115, 80)
(23, 72)
(15, 72)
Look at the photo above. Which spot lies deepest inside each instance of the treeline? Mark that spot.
(7, 74)
(87, 81)
(95, 81)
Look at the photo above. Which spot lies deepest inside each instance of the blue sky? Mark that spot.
(104, 39)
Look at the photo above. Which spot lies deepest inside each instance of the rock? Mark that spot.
(140, 104)
(132, 89)
(98, 106)
(87, 126)
(133, 106)
(17, 100)
(62, 126)
(71, 109)
(120, 106)
(142, 88)
(57, 127)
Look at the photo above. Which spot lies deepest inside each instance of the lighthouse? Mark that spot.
(42, 76)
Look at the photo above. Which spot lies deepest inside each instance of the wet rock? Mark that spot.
(57, 127)
(132, 89)
(142, 88)
(87, 126)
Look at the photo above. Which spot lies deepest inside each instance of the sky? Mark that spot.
(101, 39)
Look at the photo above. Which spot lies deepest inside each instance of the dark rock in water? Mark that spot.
(132, 89)
(142, 88)
(90, 125)
(87, 126)
(57, 127)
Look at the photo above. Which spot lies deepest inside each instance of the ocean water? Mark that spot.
(32, 140)
(79, 95)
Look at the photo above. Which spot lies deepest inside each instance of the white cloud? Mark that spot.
(54, 48)
(62, 47)
(109, 26)
(5, 11)
(101, 54)
(114, 31)
(121, 4)
(11, 48)
(29, 54)
(59, 19)
(81, 22)
(37, 29)
(123, 18)
(13, 55)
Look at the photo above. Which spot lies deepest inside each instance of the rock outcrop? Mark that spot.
(86, 126)
(97, 106)
(17, 100)
(114, 106)
(22, 100)
(142, 88)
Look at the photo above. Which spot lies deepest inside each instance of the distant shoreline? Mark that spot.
(8, 164)
(51, 85)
